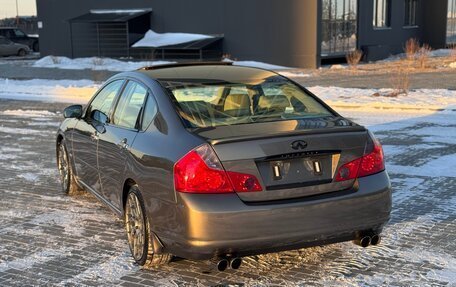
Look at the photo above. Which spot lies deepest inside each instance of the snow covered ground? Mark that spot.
(108, 64)
(68, 91)
(81, 242)
(82, 90)
(416, 99)
(94, 63)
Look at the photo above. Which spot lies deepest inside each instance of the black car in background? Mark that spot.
(18, 36)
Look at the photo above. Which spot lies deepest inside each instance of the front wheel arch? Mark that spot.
(128, 183)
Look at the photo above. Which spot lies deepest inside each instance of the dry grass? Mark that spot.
(56, 60)
(400, 82)
(98, 61)
(353, 58)
(453, 54)
(423, 55)
(412, 46)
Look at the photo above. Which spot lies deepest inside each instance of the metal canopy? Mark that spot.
(100, 16)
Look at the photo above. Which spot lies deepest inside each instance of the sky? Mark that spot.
(8, 8)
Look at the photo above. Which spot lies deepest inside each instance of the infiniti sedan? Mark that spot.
(215, 161)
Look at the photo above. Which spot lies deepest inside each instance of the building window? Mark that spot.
(339, 27)
(382, 13)
(451, 24)
(410, 13)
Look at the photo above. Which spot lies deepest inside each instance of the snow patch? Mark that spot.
(434, 53)
(19, 131)
(32, 177)
(109, 271)
(442, 166)
(79, 91)
(31, 259)
(153, 39)
(94, 63)
(28, 113)
(417, 99)
(118, 11)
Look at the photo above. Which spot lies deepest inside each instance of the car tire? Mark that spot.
(22, 53)
(36, 47)
(67, 179)
(138, 231)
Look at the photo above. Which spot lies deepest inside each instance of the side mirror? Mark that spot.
(100, 117)
(73, 112)
(99, 120)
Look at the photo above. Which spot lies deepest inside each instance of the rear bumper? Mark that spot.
(223, 224)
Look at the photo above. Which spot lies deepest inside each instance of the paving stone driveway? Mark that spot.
(50, 239)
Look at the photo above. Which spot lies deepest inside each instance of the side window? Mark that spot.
(19, 33)
(130, 105)
(105, 98)
(150, 109)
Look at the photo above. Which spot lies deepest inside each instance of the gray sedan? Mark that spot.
(214, 161)
(9, 48)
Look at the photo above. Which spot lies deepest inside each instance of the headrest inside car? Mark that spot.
(237, 102)
(277, 102)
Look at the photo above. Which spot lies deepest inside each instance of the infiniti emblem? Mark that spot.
(298, 145)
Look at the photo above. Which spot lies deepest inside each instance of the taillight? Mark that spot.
(244, 182)
(349, 170)
(200, 171)
(369, 164)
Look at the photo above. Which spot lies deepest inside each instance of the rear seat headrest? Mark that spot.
(236, 102)
(277, 102)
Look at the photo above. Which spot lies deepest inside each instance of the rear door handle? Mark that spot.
(123, 144)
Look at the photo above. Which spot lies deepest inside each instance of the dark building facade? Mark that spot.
(297, 33)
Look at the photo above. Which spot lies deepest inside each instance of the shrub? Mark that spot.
(400, 81)
(412, 46)
(353, 58)
(423, 55)
(453, 53)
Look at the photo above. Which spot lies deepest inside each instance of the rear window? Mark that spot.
(211, 104)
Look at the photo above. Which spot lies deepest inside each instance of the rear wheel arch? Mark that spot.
(153, 249)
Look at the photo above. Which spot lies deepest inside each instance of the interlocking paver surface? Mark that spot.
(47, 238)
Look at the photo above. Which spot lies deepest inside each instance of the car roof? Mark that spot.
(221, 72)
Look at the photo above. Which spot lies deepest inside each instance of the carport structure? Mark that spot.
(107, 33)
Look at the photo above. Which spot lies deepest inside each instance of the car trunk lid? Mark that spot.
(291, 159)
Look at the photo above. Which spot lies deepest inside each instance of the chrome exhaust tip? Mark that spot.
(222, 264)
(375, 239)
(363, 241)
(235, 263)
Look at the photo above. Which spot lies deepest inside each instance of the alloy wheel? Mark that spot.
(135, 225)
(63, 167)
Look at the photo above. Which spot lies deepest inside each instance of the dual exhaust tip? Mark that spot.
(365, 241)
(224, 263)
(236, 262)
